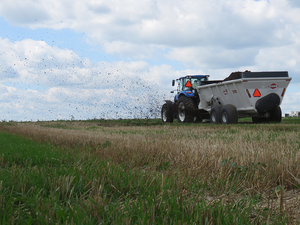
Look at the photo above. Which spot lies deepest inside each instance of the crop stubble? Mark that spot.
(232, 161)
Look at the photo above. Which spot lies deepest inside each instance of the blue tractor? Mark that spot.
(186, 101)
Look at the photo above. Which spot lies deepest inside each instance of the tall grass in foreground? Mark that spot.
(42, 185)
(156, 174)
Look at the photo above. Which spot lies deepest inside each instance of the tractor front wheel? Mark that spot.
(166, 114)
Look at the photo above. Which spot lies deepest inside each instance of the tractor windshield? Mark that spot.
(190, 83)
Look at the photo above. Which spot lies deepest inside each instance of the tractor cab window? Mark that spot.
(190, 83)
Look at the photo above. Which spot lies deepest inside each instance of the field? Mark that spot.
(146, 172)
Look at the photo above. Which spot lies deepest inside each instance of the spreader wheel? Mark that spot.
(276, 115)
(215, 114)
(229, 114)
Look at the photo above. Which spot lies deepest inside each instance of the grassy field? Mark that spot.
(146, 172)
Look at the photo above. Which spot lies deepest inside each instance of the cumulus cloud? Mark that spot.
(214, 58)
(205, 34)
(232, 24)
(24, 12)
(282, 57)
(289, 103)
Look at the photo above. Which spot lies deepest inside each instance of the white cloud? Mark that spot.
(214, 58)
(24, 12)
(291, 102)
(278, 58)
(228, 24)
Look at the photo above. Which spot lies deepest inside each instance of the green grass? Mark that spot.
(40, 184)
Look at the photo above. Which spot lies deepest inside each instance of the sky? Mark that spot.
(92, 59)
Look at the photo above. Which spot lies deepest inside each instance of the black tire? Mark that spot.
(229, 114)
(276, 115)
(215, 114)
(186, 110)
(166, 114)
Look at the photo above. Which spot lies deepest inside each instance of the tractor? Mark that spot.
(186, 101)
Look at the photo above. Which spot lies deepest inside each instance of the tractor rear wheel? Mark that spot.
(166, 114)
(186, 110)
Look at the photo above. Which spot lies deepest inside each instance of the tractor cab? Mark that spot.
(188, 85)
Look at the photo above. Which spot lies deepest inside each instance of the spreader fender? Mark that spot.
(267, 103)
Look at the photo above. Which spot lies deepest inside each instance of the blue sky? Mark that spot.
(90, 59)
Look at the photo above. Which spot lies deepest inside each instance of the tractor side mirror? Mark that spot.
(173, 82)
